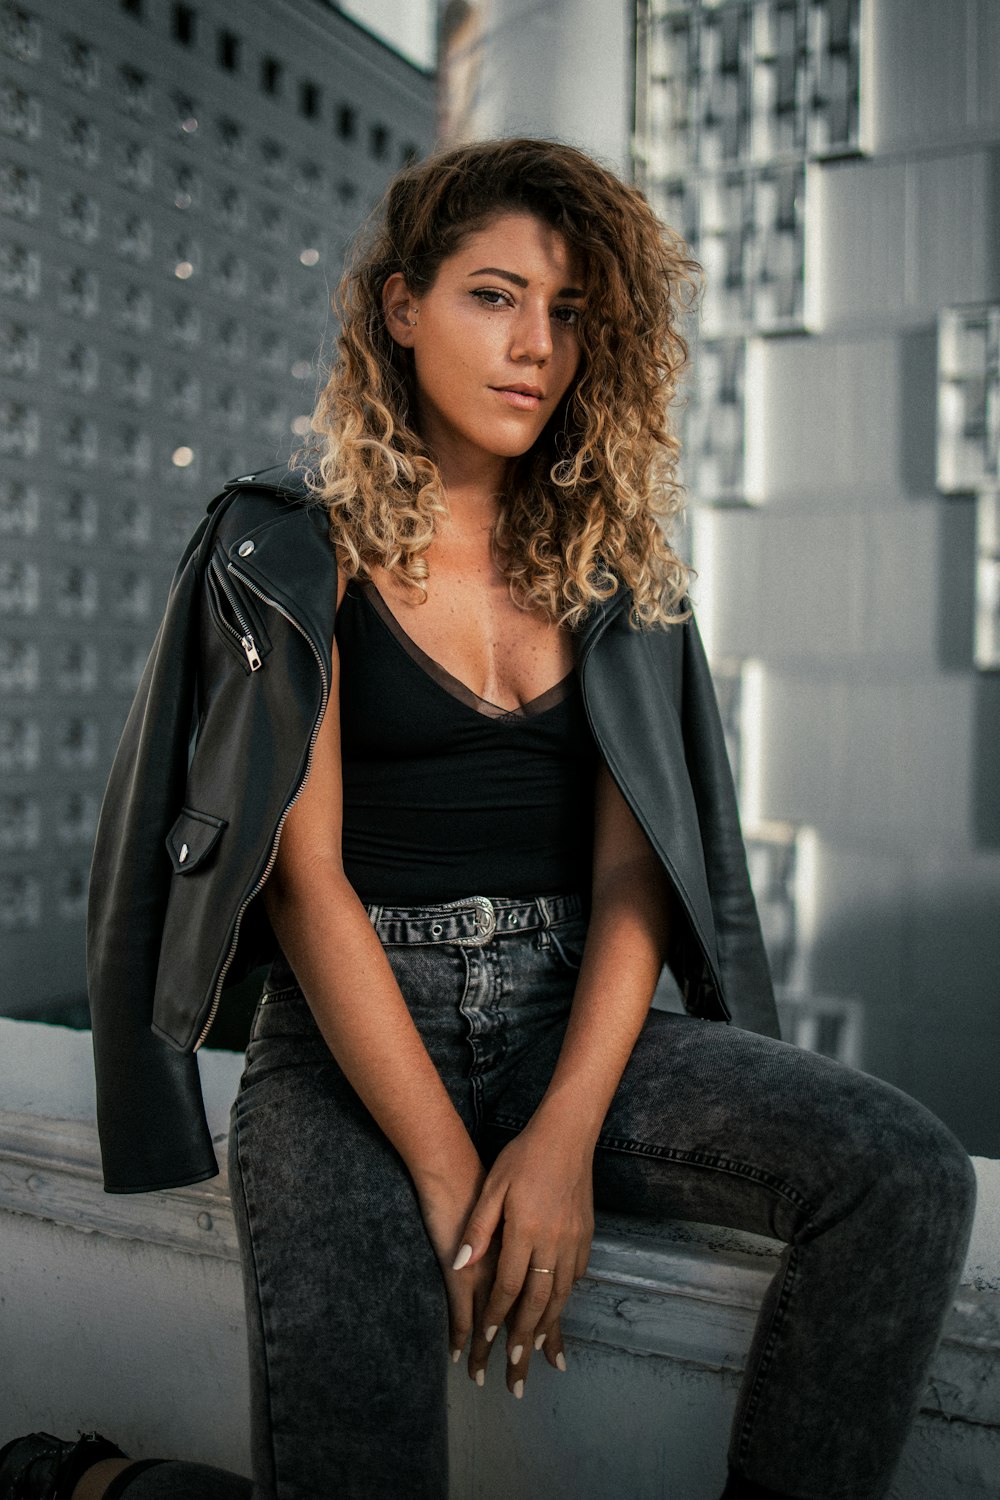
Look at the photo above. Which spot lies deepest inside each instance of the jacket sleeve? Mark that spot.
(150, 1112)
(743, 964)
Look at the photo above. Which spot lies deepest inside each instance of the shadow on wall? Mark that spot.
(986, 771)
(956, 594)
(918, 420)
(926, 967)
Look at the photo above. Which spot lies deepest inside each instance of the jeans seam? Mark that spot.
(475, 1081)
(753, 1399)
(258, 1283)
(696, 1158)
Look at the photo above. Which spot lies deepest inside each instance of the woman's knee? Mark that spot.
(918, 1166)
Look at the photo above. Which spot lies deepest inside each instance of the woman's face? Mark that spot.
(495, 341)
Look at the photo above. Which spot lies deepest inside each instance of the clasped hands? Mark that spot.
(534, 1208)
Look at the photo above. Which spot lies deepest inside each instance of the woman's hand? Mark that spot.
(538, 1199)
(445, 1206)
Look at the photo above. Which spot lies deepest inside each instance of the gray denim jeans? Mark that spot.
(346, 1307)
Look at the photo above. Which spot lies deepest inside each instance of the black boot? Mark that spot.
(42, 1467)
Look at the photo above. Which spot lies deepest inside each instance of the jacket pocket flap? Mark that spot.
(192, 839)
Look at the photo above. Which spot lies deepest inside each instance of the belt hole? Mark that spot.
(512, 919)
(437, 929)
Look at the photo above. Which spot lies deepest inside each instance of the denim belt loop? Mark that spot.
(543, 907)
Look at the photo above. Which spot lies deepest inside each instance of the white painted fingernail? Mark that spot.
(518, 1389)
(480, 1376)
(456, 1355)
(540, 1340)
(491, 1332)
(515, 1353)
(561, 1360)
(462, 1258)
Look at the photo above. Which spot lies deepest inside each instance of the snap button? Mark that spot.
(184, 853)
(246, 548)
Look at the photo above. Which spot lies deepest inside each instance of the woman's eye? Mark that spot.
(568, 315)
(487, 294)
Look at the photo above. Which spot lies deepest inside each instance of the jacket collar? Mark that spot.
(281, 477)
(596, 622)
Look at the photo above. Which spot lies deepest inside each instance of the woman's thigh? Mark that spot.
(720, 1125)
(346, 1306)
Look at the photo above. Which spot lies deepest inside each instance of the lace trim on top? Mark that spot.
(451, 685)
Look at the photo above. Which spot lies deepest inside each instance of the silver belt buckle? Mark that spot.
(486, 922)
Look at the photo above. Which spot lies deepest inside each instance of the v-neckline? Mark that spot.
(453, 685)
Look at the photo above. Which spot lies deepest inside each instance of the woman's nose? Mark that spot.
(533, 335)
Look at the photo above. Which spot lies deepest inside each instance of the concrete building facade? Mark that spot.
(177, 186)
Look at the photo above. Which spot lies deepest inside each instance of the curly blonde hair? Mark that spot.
(587, 509)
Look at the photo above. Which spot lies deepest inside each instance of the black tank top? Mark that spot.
(445, 794)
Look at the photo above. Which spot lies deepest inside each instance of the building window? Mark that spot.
(20, 33)
(227, 51)
(80, 63)
(378, 142)
(183, 24)
(20, 113)
(80, 141)
(134, 165)
(76, 668)
(347, 122)
(272, 161)
(308, 99)
(78, 293)
(20, 272)
(270, 75)
(19, 663)
(135, 91)
(231, 140)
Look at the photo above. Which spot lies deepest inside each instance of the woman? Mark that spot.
(512, 810)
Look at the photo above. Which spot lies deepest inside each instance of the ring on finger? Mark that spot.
(543, 1269)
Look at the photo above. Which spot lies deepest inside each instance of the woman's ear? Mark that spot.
(399, 309)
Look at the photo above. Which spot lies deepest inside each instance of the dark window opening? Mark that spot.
(379, 141)
(228, 51)
(308, 99)
(133, 7)
(183, 24)
(270, 75)
(347, 122)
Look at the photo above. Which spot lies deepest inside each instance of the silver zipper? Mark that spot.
(644, 825)
(216, 998)
(246, 640)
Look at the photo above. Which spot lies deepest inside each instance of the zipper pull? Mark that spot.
(253, 655)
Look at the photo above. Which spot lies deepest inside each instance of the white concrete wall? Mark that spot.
(557, 68)
(125, 1314)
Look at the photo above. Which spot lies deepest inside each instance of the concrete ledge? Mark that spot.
(664, 1317)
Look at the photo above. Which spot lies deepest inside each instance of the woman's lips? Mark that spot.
(523, 400)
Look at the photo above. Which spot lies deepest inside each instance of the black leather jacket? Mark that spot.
(215, 750)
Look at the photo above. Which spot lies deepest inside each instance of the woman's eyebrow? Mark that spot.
(566, 291)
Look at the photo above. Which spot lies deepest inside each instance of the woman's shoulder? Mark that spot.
(262, 497)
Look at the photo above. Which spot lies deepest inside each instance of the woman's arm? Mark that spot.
(541, 1185)
(324, 932)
